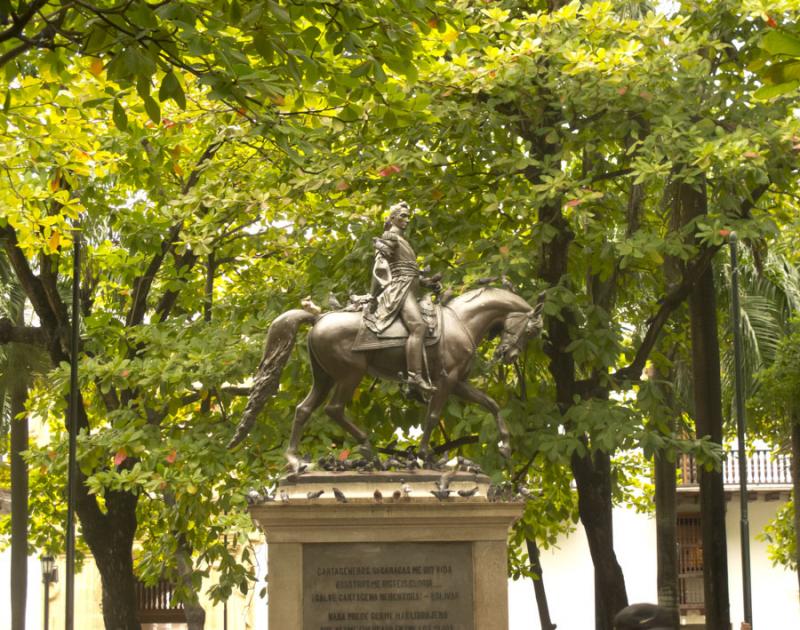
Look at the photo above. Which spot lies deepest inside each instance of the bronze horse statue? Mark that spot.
(336, 366)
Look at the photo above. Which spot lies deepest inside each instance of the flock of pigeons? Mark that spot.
(442, 489)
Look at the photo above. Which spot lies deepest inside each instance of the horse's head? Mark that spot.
(518, 328)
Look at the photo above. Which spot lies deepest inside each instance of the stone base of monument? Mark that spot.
(404, 560)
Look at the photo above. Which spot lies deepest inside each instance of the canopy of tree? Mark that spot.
(222, 160)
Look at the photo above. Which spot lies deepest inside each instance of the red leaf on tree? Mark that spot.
(167, 123)
(751, 154)
(724, 232)
(504, 250)
(171, 457)
(770, 21)
(342, 185)
(574, 202)
(344, 455)
(433, 22)
(386, 171)
(621, 91)
(121, 456)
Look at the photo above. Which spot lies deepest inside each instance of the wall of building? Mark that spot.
(776, 603)
(568, 574)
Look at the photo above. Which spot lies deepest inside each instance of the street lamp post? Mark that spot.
(49, 576)
(744, 525)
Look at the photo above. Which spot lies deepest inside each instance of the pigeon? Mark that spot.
(468, 465)
(441, 494)
(334, 302)
(266, 496)
(315, 495)
(377, 496)
(396, 495)
(468, 493)
(339, 495)
(254, 498)
(393, 462)
(446, 296)
(441, 463)
(525, 492)
(405, 488)
(284, 496)
(493, 493)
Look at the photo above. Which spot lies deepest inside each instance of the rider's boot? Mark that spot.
(420, 383)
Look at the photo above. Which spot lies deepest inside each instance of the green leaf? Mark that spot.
(119, 116)
(781, 43)
(279, 12)
(171, 88)
(152, 109)
(362, 69)
(264, 46)
(771, 91)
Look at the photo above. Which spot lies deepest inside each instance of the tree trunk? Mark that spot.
(110, 539)
(538, 585)
(708, 421)
(19, 507)
(796, 491)
(667, 536)
(195, 614)
(593, 478)
(666, 504)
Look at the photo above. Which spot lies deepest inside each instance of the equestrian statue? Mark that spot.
(393, 334)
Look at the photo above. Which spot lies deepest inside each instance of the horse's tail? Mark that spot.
(280, 341)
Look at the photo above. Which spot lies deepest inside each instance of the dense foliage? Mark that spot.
(224, 160)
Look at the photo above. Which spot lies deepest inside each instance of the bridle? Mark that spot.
(517, 329)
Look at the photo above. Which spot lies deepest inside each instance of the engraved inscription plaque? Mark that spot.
(387, 586)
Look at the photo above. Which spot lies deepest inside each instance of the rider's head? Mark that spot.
(398, 212)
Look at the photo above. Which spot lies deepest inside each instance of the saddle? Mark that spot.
(396, 334)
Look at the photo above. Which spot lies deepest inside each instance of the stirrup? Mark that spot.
(418, 381)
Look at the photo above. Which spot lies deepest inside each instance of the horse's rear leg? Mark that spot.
(472, 394)
(342, 395)
(319, 391)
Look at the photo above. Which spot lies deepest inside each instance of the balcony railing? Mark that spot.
(154, 604)
(764, 468)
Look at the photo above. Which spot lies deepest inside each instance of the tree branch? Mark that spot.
(33, 335)
(33, 288)
(19, 22)
(143, 284)
(669, 303)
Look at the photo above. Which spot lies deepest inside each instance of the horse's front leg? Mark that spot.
(467, 392)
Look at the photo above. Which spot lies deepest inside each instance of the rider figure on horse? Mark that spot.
(395, 286)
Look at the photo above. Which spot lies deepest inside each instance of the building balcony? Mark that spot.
(766, 472)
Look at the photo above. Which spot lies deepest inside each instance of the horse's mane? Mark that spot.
(475, 293)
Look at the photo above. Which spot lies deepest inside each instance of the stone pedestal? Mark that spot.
(407, 562)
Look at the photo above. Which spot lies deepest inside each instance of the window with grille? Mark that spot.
(690, 564)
